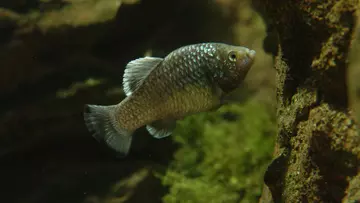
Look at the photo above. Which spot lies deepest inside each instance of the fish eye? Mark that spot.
(232, 56)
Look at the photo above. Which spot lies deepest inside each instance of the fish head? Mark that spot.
(235, 63)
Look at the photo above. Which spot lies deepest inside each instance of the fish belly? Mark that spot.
(190, 100)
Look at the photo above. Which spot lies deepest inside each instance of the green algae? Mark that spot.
(354, 71)
(75, 87)
(221, 160)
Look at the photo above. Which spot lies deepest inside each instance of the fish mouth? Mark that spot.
(251, 53)
(248, 59)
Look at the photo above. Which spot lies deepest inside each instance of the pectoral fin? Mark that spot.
(161, 128)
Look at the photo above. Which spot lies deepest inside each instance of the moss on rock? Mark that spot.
(316, 128)
(222, 160)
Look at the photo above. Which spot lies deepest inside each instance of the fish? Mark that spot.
(160, 91)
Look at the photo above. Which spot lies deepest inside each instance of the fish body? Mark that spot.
(160, 91)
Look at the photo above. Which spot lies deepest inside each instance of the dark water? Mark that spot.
(46, 153)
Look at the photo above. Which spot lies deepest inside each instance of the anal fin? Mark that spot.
(161, 128)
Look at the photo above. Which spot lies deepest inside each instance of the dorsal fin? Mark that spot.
(136, 71)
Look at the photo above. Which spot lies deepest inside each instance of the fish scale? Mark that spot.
(160, 91)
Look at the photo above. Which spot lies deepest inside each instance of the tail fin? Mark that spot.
(100, 121)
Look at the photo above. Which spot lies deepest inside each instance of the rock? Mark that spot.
(318, 141)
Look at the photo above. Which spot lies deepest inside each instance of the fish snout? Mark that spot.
(251, 53)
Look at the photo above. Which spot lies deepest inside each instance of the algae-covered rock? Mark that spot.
(222, 156)
(318, 145)
(354, 70)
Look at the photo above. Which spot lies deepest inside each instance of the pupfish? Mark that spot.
(159, 91)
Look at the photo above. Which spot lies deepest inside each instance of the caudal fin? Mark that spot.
(100, 121)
